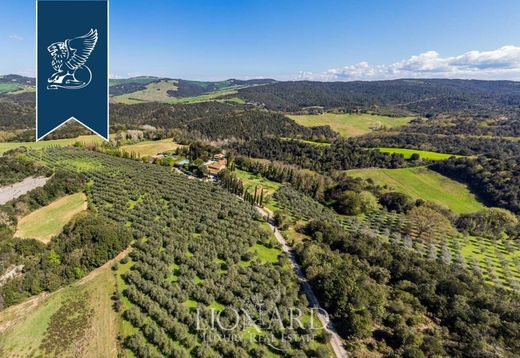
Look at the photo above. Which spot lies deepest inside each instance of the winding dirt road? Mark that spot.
(335, 340)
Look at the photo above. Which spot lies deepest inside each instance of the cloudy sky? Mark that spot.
(329, 40)
(502, 64)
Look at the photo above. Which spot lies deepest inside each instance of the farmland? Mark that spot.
(407, 153)
(197, 247)
(497, 260)
(351, 125)
(422, 183)
(5, 146)
(151, 148)
(164, 91)
(48, 221)
(9, 87)
(154, 92)
(251, 181)
(74, 320)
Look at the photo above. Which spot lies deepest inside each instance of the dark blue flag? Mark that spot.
(72, 60)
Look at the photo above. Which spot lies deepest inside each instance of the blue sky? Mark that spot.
(293, 39)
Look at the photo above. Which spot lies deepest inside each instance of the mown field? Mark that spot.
(158, 92)
(150, 148)
(422, 183)
(5, 146)
(252, 180)
(407, 153)
(46, 222)
(9, 87)
(154, 92)
(351, 125)
(75, 321)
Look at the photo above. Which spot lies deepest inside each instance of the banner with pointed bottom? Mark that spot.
(72, 65)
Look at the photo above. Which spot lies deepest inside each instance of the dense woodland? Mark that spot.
(501, 126)
(417, 96)
(490, 147)
(214, 121)
(341, 155)
(394, 301)
(403, 303)
(495, 180)
(14, 168)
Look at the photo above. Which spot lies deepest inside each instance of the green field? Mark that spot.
(422, 183)
(250, 181)
(158, 92)
(5, 146)
(144, 80)
(150, 148)
(407, 153)
(77, 320)
(46, 222)
(154, 92)
(10, 87)
(350, 125)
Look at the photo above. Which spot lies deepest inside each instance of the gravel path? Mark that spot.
(16, 190)
(335, 341)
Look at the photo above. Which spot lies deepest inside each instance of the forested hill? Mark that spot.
(404, 96)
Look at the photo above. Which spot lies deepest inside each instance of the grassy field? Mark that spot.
(422, 183)
(154, 92)
(150, 148)
(251, 181)
(48, 221)
(350, 125)
(407, 153)
(157, 92)
(4, 147)
(10, 87)
(75, 321)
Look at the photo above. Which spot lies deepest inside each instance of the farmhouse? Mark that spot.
(216, 167)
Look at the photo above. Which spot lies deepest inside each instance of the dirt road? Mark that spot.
(335, 341)
(16, 190)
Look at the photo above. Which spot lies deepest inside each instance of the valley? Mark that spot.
(403, 230)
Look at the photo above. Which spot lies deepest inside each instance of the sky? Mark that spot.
(328, 40)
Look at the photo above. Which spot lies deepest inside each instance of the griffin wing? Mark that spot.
(81, 48)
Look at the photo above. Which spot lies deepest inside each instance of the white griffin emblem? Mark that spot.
(69, 60)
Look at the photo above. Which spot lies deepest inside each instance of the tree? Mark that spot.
(395, 201)
(489, 222)
(427, 221)
(355, 203)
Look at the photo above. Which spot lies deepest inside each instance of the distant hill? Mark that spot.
(424, 97)
(180, 88)
(401, 97)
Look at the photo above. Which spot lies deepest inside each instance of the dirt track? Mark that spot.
(16, 190)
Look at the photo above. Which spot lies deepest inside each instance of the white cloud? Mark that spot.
(15, 37)
(500, 64)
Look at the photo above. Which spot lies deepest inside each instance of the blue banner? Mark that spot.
(72, 61)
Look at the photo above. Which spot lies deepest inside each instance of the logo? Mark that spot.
(69, 60)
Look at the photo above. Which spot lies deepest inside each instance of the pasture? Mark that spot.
(151, 148)
(154, 92)
(87, 139)
(424, 154)
(250, 181)
(10, 87)
(422, 183)
(350, 124)
(48, 221)
(77, 320)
